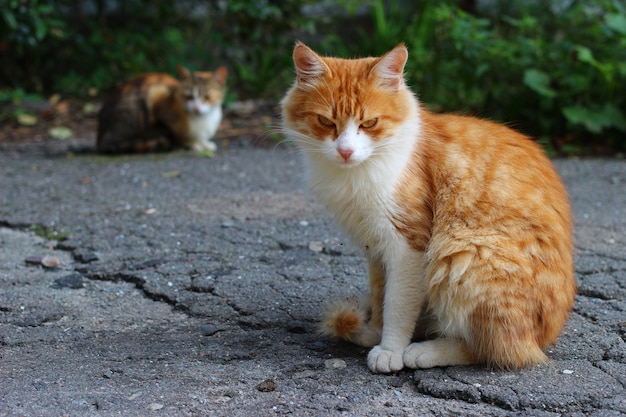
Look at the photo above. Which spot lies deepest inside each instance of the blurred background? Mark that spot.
(555, 69)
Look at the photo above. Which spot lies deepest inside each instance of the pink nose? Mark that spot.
(345, 153)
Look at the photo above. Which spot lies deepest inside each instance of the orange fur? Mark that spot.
(463, 220)
(156, 111)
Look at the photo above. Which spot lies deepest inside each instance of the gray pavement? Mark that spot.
(190, 286)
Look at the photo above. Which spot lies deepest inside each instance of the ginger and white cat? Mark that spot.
(465, 224)
(157, 112)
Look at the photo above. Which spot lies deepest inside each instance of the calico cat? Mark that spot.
(465, 224)
(157, 112)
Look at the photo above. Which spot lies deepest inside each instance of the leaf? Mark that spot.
(207, 153)
(617, 22)
(171, 174)
(9, 19)
(60, 132)
(539, 81)
(585, 54)
(89, 108)
(615, 116)
(596, 120)
(582, 116)
(26, 119)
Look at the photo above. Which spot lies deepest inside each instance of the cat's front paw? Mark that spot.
(207, 146)
(437, 352)
(420, 356)
(384, 361)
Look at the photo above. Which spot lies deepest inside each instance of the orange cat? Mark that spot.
(465, 223)
(157, 112)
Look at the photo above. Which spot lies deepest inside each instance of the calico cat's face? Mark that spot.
(202, 91)
(347, 111)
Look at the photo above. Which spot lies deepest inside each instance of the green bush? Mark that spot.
(67, 49)
(556, 70)
(532, 66)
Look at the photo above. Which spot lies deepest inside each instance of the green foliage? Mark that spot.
(28, 23)
(256, 39)
(11, 107)
(556, 70)
(531, 66)
(61, 48)
(113, 56)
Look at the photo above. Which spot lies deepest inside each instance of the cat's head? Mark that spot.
(202, 91)
(347, 110)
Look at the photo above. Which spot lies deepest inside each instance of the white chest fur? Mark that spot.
(362, 196)
(202, 127)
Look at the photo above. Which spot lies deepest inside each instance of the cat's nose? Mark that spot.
(345, 153)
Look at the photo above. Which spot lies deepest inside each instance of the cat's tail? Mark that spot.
(348, 319)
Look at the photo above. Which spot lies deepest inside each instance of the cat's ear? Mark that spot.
(389, 69)
(183, 73)
(309, 65)
(220, 75)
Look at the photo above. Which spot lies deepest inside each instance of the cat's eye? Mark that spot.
(325, 122)
(369, 123)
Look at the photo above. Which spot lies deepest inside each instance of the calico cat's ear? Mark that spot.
(220, 75)
(390, 67)
(309, 65)
(183, 73)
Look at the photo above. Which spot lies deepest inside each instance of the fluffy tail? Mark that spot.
(348, 319)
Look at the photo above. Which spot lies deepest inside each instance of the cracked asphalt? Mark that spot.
(189, 286)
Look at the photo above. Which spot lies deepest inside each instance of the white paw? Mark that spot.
(437, 352)
(384, 361)
(205, 146)
(420, 355)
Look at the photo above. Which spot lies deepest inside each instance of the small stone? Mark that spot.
(135, 396)
(86, 257)
(39, 386)
(108, 374)
(49, 261)
(155, 406)
(208, 330)
(267, 386)
(316, 246)
(334, 363)
(72, 281)
(33, 260)
(318, 345)
(568, 371)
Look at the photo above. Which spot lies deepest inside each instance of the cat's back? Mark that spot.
(495, 187)
(129, 111)
(479, 152)
(151, 87)
(141, 90)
